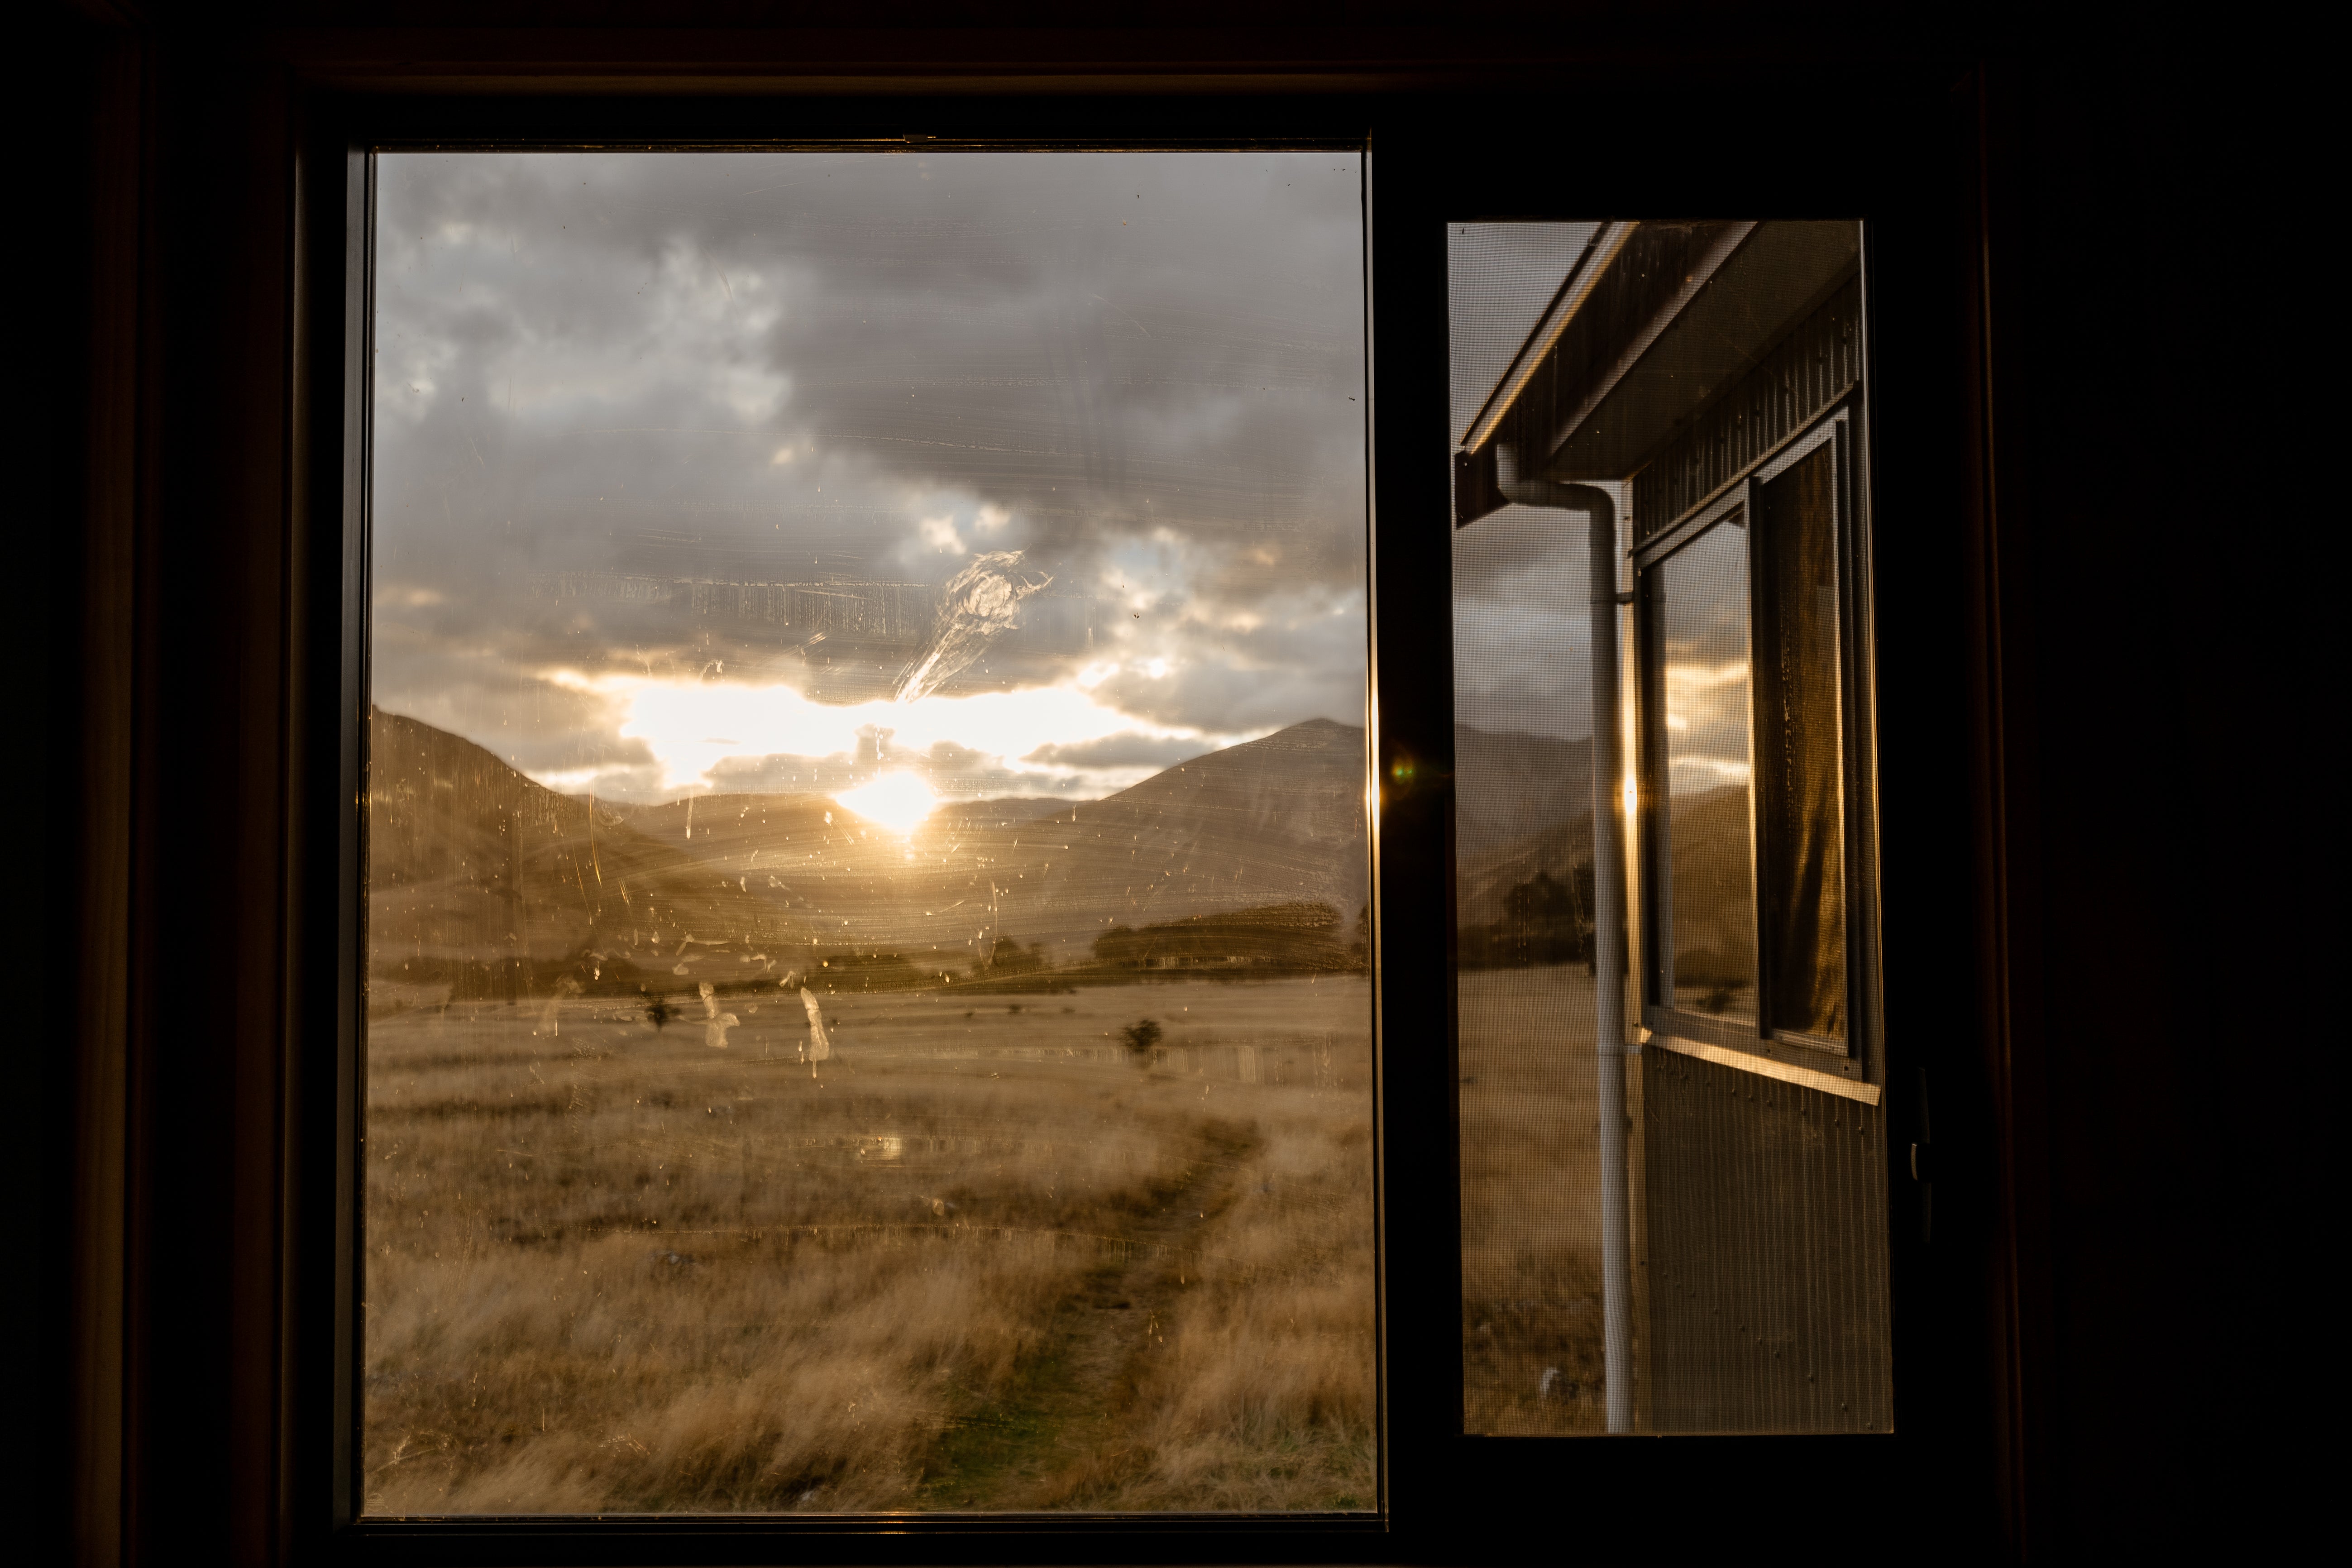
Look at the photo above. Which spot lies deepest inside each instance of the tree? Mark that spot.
(1545, 921)
(1539, 923)
(1140, 1037)
(1008, 957)
(1123, 947)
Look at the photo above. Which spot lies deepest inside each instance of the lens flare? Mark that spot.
(898, 800)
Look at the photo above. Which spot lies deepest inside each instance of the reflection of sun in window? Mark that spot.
(896, 800)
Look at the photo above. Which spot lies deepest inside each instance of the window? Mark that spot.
(867, 981)
(1746, 686)
(200, 1049)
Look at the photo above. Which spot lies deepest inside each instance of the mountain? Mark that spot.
(1273, 821)
(1510, 785)
(1008, 809)
(1714, 926)
(482, 880)
(1522, 804)
(1483, 881)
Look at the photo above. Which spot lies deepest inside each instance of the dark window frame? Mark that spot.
(1426, 140)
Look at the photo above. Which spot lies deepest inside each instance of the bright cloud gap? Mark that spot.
(710, 736)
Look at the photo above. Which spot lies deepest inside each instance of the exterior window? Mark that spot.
(759, 870)
(867, 979)
(1703, 891)
(1744, 709)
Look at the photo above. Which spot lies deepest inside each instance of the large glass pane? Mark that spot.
(1736, 1280)
(1531, 1353)
(1699, 609)
(1798, 787)
(866, 860)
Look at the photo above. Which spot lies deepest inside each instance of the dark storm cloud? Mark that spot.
(1118, 343)
(1143, 373)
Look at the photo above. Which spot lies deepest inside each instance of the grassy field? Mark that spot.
(981, 1259)
(1531, 1203)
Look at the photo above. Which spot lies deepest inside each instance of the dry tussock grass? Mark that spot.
(966, 1265)
(1531, 1204)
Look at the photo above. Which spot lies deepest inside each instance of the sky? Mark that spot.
(1110, 407)
(1522, 632)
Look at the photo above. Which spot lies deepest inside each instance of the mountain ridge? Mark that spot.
(480, 876)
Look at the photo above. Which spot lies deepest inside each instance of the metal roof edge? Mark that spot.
(1575, 290)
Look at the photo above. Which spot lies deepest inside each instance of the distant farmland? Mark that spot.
(987, 1256)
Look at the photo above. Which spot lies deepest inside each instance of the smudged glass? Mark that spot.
(866, 971)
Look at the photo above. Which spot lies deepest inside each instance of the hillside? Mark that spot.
(490, 884)
(1714, 929)
(482, 880)
(1523, 807)
(1509, 787)
(1482, 882)
(1273, 821)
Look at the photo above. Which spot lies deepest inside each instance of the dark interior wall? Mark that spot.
(209, 1012)
(2119, 868)
(2144, 362)
(2153, 1191)
(44, 564)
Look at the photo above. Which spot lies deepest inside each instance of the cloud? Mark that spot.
(1124, 750)
(609, 386)
(1522, 627)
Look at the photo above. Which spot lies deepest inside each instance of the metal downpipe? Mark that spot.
(1609, 957)
(1506, 487)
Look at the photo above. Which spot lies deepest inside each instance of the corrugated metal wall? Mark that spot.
(1764, 1257)
(1811, 367)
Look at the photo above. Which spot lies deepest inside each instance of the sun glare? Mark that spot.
(898, 800)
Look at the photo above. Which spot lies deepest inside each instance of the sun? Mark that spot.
(898, 800)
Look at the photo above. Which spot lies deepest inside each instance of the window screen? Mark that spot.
(866, 898)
